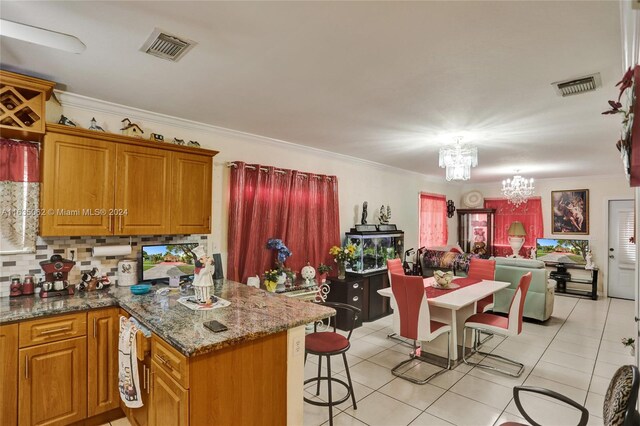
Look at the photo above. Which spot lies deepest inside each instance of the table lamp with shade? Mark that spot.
(516, 237)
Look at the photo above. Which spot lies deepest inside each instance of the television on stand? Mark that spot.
(565, 251)
(158, 262)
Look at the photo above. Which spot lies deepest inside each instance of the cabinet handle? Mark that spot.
(26, 367)
(164, 361)
(355, 298)
(56, 330)
(356, 285)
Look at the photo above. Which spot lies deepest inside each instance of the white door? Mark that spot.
(622, 252)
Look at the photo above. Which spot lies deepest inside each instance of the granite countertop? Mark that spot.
(253, 313)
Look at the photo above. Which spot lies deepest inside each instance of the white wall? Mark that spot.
(602, 189)
(358, 180)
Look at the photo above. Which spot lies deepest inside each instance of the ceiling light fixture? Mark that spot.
(41, 36)
(517, 190)
(458, 160)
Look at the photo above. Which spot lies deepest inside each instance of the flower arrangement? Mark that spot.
(343, 254)
(324, 269)
(283, 253)
(271, 279)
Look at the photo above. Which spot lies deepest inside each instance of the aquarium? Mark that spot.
(373, 249)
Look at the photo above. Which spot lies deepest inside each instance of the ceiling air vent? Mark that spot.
(166, 45)
(577, 85)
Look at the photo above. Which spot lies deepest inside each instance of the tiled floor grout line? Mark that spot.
(534, 366)
(606, 318)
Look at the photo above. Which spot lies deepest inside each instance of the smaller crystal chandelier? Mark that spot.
(517, 190)
(458, 160)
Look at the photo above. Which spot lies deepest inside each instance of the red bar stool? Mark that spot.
(330, 343)
(496, 324)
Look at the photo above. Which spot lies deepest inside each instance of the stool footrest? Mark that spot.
(326, 404)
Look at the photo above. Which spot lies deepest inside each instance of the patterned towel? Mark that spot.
(128, 380)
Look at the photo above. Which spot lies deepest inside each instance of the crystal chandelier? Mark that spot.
(458, 160)
(517, 190)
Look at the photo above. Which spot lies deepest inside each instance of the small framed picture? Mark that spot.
(570, 212)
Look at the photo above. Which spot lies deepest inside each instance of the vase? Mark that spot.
(282, 278)
(342, 270)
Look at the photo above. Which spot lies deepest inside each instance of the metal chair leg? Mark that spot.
(330, 396)
(346, 368)
(319, 374)
(488, 355)
(413, 355)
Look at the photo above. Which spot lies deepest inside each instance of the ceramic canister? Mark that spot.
(127, 272)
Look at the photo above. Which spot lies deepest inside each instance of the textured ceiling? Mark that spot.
(385, 81)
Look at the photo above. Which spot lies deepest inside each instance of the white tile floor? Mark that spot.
(575, 353)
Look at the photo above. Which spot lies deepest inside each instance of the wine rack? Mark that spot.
(22, 105)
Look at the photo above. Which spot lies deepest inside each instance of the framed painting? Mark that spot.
(570, 212)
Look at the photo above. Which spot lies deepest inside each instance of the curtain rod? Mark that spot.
(280, 171)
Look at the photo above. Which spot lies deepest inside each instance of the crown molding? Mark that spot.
(74, 100)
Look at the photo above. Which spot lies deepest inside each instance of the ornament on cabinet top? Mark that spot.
(66, 122)
(193, 143)
(131, 129)
(178, 141)
(94, 125)
(156, 137)
(384, 216)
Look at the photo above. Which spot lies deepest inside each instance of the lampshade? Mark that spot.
(516, 229)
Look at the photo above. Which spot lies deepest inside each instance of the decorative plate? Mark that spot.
(473, 199)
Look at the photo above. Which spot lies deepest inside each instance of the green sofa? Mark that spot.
(539, 302)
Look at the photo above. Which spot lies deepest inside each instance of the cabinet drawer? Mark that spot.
(171, 361)
(52, 329)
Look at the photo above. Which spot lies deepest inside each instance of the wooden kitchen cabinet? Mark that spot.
(9, 374)
(22, 105)
(169, 401)
(96, 183)
(140, 416)
(142, 191)
(190, 194)
(102, 361)
(77, 179)
(52, 384)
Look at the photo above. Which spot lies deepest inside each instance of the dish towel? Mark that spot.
(128, 380)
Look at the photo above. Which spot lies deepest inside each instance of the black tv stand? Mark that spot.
(562, 276)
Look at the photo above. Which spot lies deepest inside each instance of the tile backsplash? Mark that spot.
(29, 263)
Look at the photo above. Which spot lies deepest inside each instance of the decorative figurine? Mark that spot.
(363, 220)
(178, 141)
(308, 273)
(193, 143)
(383, 216)
(94, 125)
(156, 137)
(131, 129)
(589, 258)
(66, 122)
(532, 253)
(203, 273)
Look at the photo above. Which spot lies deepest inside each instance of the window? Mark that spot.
(433, 220)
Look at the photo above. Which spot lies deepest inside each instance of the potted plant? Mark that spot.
(630, 342)
(271, 279)
(323, 271)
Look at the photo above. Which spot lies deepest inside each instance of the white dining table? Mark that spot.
(453, 308)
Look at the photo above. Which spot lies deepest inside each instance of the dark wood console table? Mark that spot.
(561, 283)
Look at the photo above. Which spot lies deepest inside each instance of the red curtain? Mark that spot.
(19, 161)
(433, 220)
(299, 208)
(529, 213)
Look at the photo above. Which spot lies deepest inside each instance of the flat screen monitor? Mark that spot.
(555, 251)
(159, 262)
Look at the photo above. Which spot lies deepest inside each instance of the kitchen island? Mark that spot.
(250, 374)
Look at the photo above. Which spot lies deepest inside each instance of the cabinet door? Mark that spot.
(169, 401)
(77, 186)
(191, 193)
(142, 191)
(9, 374)
(140, 416)
(102, 361)
(53, 383)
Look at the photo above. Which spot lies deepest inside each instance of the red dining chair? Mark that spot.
(496, 324)
(483, 269)
(394, 266)
(413, 321)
